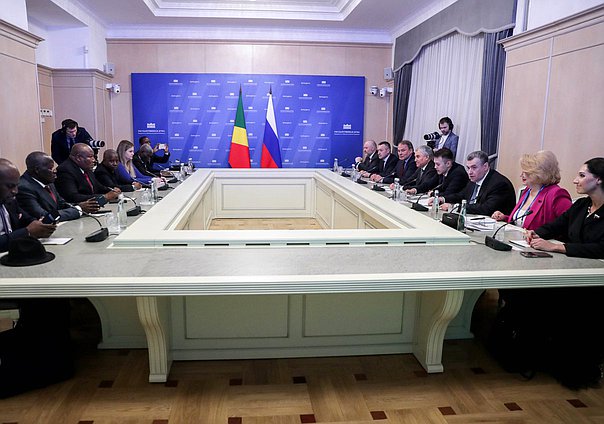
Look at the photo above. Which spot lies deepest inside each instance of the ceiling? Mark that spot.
(353, 20)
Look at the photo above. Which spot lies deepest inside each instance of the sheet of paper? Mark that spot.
(56, 240)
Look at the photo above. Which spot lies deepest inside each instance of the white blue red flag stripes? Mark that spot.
(271, 151)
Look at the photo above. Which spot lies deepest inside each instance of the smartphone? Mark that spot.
(49, 218)
(536, 255)
(161, 146)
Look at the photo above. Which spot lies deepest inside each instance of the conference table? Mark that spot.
(153, 276)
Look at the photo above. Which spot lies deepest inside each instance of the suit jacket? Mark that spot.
(423, 181)
(74, 187)
(583, 235)
(455, 181)
(450, 143)
(386, 168)
(58, 143)
(159, 159)
(403, 171)
(37, 202)
(110, 178)
(549, 204)
(143, 167)
(19, 220)
(496, 194)
(370, 163)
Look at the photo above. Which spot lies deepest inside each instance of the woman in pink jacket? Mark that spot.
(542, 195)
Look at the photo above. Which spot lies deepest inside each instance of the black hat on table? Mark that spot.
(26, 251)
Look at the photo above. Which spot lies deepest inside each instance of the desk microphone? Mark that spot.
(136, 210)
(98, 235)
(416, 206)
(495, 244)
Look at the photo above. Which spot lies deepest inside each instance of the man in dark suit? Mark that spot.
(452, 177)
(488, 191)
(14, 221)
(424, 178)
(142, 161)
(156, 158)
(76, 181)
(38, 195)
(386, 164)
(65, 138)
(405, 167)
(106, 173)
(370, 160)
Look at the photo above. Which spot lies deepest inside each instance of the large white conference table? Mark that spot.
(166, 265)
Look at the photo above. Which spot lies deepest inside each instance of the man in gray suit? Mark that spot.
(37, 193)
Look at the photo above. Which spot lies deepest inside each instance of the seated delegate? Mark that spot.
(38, 195)
(424, 178)
(157, 158)
(386, 164)
(452, 177)
(126, 169)
(542, 195)
(488, 191)
(106, 173)
(405, 167)
(76, 181)
(369, 161)
(15, 222)
(581, 227)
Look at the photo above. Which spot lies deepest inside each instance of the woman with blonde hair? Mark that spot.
(542, 195)
(126, 169)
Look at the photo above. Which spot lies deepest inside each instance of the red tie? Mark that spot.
(89, 182)
(51, 193)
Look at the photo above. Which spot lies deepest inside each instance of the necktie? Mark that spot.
(6, 228)
(89, 182)
(474, 194)
(421, 172)
(70, 143)
(51, 193)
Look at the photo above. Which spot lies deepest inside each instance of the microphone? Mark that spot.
(98, 235)
(416, 206)
(136, 210)
(495, 244)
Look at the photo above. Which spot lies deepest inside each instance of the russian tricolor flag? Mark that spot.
(271, 151)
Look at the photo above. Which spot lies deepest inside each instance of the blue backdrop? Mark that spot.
(319, 118)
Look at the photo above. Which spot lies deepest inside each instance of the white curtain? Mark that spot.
(446, 81)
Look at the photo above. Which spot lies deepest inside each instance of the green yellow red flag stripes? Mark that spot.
(239, 156)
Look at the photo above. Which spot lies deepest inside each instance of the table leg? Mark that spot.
(436, 310)
(157, 338)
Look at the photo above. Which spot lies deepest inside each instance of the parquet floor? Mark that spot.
(111, 387)
(265, 224)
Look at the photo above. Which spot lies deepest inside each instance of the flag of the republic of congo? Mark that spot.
(239, 156)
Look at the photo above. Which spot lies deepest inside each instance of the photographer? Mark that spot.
(64, 138)
(447, 138)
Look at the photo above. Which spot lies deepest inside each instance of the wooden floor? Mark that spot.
(111, 387)
(265, 224)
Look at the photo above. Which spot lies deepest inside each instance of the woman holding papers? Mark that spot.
(542, 195)
(580, 228)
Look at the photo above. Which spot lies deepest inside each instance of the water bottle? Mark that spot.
(397, 190)
(154, 193)
(122, 218)
(335, 165)
(190, 165)
(434, 210)
(461, 222)
(183, 172)
(355, 173)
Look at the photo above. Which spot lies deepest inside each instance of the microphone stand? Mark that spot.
(416, 206)
(98, 235)
(136, 210)
(495, 244)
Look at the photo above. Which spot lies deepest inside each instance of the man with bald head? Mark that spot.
(107, 174)
(38, 195)
(76, 181)
(142, 160)
(14, 221)
(370, 161)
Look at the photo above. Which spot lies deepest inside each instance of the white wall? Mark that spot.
(43, 51)
(14, 12)
(535, 13)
